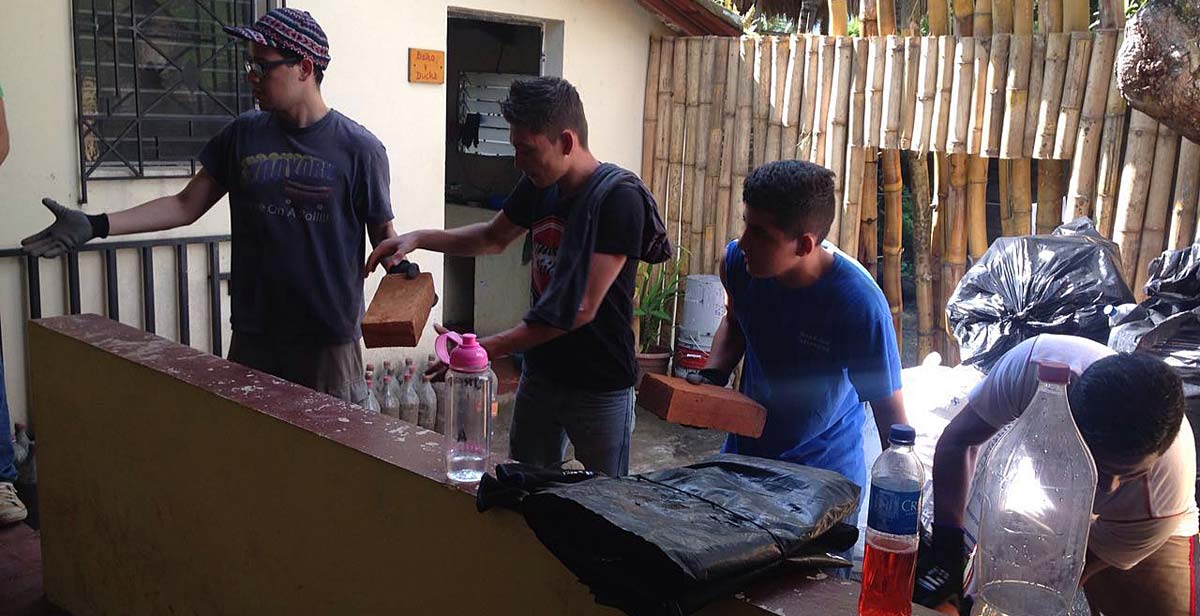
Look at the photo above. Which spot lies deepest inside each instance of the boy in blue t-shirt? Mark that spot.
(814, 328)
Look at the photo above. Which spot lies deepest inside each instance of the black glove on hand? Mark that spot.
(71, 229)
(709, 376)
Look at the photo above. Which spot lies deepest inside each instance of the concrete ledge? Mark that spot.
(175, 482)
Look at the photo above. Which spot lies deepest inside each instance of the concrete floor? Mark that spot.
(655, 445)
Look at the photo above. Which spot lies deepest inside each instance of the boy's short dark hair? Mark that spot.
(1128, 405)
(318, 73)
(798, 193)
(547, 106)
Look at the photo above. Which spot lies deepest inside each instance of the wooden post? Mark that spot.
(1135, 186)
(1012, 135)
(1091, 124)
(712, 170)
(662, 141)
(855, 167)
(1111, 143)
(1037, 67)
(893, 93)
(679, 72)
(742, 127)
(726, 198)
(873, 102)
(835, 143)
(1058, 46)
(793, 93)
(762, 99)
(691, 149)
(1187, 193)
(908, 104)
(926, 95)
(1158, 203)
(1073, 91)
(821, 120)
(650, 110)
(944, 103)
(1050, 194)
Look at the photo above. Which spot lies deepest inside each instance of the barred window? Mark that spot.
(155, 80)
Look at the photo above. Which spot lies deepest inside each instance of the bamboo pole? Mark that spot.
(1050, 15)
(893, 93)
(762, 99)
(1073, 92)
(839, 112)
(868, 238)
(960, 114)
(942, 341)
(908, 104)
(820, 122)
(944, 103)
(691, 149)
(1077, 15)
(1012, 134)
(955, 258)
(855, 167)
(1057, 50)
(926, 95)
(712, 169)
(1111, 144)
(1135, 186)
(1037, 67)
(679, 72)
(1187, 193)
(778, 52)
(808, 99)
(1091, 123)
(742, 127)
(1050, 194)
(650, 110)
(983, 56)
(873, 118)
(1021, 196)
(1158, 206)
(793, 93)
(993, 110)
(726, 198)
(1022, 24)
(663, 129)
(1004, 187)
(922, 222)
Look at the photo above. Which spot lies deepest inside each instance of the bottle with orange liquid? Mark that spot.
(890, 562)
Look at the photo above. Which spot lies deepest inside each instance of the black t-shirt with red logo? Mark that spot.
(598, 356)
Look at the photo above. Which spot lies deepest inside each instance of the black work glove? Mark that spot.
(944, 578)
(71, 229)
(710, 376)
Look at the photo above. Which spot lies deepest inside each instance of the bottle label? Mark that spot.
(894, 512)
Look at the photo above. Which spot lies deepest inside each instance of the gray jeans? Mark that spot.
(546, 414)
(335, 369)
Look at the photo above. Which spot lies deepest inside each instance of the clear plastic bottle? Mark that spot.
(427, 403)
(1037, 505)
(371, 372)
(390, 403)
(468, 413)
(409, 402)
(371, 404)
(387, 371)
(890, 562)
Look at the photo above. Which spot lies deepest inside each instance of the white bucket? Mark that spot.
(703, 309)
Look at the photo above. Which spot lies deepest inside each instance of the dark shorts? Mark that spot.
(335, 369)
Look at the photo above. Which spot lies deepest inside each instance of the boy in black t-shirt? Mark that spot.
(590, 223)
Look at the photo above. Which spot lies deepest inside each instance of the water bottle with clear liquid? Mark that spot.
(409, 403)
(1037, 496)
(390, 403)
(890, 561)
(371, 403)
(468, 412)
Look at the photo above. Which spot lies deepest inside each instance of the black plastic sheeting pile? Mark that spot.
(671, 541)
(1064, 283)
(1167, 324)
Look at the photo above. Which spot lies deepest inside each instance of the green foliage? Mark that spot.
(654, 300)
(854, 26)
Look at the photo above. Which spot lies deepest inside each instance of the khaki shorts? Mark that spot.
(1164, 584)
(335, 369)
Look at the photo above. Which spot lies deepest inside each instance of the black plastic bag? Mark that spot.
(1167, 324)
(1037, 284)
(670, 541)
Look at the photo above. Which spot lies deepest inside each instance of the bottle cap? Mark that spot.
(1054, 372)
(468, 356)
(902, 434)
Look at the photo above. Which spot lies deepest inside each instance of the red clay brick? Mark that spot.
(398, 312)
(705, 406)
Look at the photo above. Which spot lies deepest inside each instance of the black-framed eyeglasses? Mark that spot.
(260, 69)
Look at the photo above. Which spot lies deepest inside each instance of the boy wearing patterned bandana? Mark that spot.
(303, 182)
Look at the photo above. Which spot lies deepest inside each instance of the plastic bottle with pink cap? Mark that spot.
(468, 413)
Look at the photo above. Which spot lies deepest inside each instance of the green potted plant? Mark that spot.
(654, 304)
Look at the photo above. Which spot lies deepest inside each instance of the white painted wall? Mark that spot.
(605, 44)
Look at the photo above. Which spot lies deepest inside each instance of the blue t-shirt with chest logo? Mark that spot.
(813, 356)
(299, 200)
